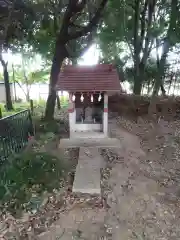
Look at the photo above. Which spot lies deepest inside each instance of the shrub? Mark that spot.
(45, 127)
(2, 106)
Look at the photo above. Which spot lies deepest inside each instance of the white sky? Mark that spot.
(91, 57)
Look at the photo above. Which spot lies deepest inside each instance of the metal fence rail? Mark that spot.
(15, 131)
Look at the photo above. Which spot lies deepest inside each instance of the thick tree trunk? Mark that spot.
(9, 105)
(59, 56)
(139, 80)
(58, 102)
(137, 86)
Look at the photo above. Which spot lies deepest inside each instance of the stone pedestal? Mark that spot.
(88, 114)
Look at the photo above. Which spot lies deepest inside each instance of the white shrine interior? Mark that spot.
(88, 112)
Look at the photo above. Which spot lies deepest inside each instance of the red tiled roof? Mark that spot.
(102, 77)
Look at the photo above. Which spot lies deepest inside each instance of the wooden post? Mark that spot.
(0, 113)
(31, 106)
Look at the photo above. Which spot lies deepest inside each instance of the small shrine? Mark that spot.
(89, 88)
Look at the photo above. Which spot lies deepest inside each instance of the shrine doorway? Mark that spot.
(89, 111)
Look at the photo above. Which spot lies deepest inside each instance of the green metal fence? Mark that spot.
(15, 131)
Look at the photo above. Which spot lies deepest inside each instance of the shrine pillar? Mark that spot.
(72, 114)
(105, 115)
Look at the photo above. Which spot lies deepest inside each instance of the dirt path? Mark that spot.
(140, 206)
(79, 223)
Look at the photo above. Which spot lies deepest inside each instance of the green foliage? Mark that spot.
(30, 71)
(40, 103)
(27, 175)
(17, 20)
(117, 36)
(39, 108)
(17, 108)
(64, 101)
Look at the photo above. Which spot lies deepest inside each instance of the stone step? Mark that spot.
(90, 142)
(88, 176)
(88, 134)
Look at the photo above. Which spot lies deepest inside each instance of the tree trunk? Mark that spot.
(9, 105)
(137, 83)
(59, 56)
(170, 83)
(14, 83)
(174, 86)
(1, 113)
(163, 90)
(156, 87)
(74, 61)
(140, 39)
(58, 102)
(148, 87)
(27, 95)
(139, 80)
(168, 42)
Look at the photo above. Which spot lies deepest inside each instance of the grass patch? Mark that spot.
(28, 176)
(39, 106)
(18, 107)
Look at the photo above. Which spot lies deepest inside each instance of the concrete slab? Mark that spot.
(88, 134)
(87, 177)
(89, 142)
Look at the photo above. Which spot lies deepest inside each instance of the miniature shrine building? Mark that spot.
(88, 88)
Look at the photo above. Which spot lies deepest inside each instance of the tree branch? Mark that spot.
(72, 9)
(92, 23)
(136, 36)
(76, 26)
(130, 47)
(143, 23)
(20, 87)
